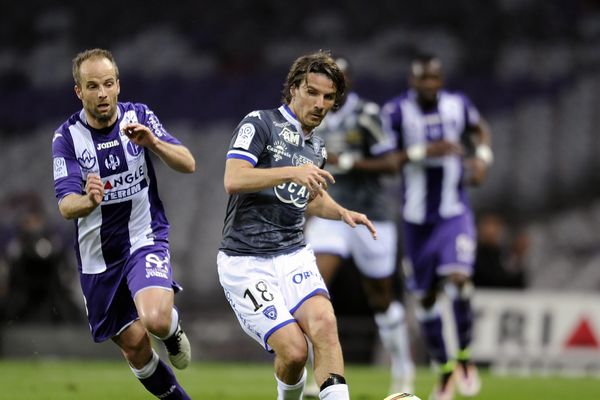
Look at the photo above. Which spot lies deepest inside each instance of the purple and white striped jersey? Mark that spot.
(131, 215)
(432, 189)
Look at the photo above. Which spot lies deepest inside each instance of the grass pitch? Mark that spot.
(102, 380)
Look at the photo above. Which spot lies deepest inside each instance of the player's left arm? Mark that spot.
(478, 164)
(176, 156)
(325, 206)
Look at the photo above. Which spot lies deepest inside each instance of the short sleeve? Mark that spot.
(249, 139)
(66, 169)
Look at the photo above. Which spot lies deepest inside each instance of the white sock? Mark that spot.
(394, 336)
(335, 392)
(148, 369)
(290, 392)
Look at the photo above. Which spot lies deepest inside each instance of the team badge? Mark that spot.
(270, 312)
(112, 162)
(86, 161)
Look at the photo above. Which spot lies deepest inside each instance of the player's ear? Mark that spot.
(118, 87)
(78, 92)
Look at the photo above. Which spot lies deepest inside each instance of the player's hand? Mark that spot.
(315, 179)
(475, 171)
(354, 218)
(94, 189)
(442, 148)
(140, 134)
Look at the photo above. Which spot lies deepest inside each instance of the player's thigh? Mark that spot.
(253, 292)
(150, 267)
(457, 246)
(108, 303)
(299, 278)
(375, 258)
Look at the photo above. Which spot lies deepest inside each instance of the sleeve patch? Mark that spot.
(244, 136)
(60, 168)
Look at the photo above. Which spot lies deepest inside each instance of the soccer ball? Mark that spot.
(402, 396)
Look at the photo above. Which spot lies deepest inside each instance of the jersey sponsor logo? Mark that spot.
(279, 150)
(255, 114)
(123, 193)
(128, 178)
(281, 124)
(60, 168)
(299, 159)
(302, 276)
(292, 193)
(155, 124)
(86, 161)
(270, 312)
(244, 136)
(107, 145)
(112, 162)
(124, 185)
(290, 137)
(156, 266)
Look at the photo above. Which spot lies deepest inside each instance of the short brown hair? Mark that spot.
(320, 62)
(88, 54)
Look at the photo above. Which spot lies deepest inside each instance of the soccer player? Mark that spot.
(274, 176)
(104, 180)
(359, 153)
(444, 145)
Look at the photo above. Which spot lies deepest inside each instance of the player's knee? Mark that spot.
(323, 328)
(460, 289)
(294, 354)
(157, 323)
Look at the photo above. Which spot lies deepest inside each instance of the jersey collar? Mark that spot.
(289, 115)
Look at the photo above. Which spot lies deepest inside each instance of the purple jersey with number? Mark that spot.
(131, 215)
(433, 188)
(439, 233)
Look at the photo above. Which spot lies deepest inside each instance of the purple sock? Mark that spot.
(159, 380)
(434, 339)
(463, 317)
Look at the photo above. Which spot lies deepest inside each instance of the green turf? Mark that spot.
(91, 380)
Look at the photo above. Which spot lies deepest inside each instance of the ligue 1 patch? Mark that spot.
(244, 136)
(270, 312)
(60, 168)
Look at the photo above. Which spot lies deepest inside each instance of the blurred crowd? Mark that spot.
(531, 66)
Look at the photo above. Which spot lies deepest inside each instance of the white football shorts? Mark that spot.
(264, 292)
(374, 258)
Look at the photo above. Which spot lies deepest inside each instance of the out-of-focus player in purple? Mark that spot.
(274, 176)
(444, 145)
(359, 155)
(104, 180)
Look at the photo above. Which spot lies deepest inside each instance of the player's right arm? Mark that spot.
(242, 177)
(81, 205)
